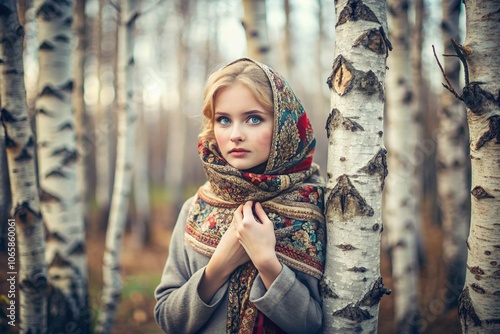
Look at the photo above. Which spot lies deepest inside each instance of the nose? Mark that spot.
(236, 134)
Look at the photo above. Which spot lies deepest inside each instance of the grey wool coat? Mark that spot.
(292, 302)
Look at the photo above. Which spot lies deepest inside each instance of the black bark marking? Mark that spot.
(354, 313)
(45, 112)
(479, 193)
(35, 282)
(477, 288)
(345, 197)
(25, 155)
(356, 10)
(492, 133)
(78, 248)
(68, 86)
(47, 197)
(66, 126)
(26, 214)
(9, 142)
(59, 262)
(345, 77)
(55, 236)
(335, 120)
(326, 291)
(358, 269)
(475, 97)
(375, 294)
(375, 227)
(49, 91)
(68, 156)
(487, 252)
(342, 76)
(50, 10)
(375, 40)
(346, 247)
(55, 173)
(377, 166)
(6, 116)
(62, 38)
(476, 270)
(46, 46)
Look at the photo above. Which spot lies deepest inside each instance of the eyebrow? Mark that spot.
(249, 112)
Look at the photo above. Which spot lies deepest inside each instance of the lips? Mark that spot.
(238, 152)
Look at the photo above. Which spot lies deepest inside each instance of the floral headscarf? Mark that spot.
(290, 191)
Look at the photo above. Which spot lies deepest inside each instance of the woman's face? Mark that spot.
(243, 127)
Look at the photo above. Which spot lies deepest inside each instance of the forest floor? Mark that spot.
(142, 268)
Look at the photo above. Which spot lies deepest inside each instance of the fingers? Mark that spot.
(247, 210)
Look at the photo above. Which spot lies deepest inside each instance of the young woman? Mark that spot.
(246, 253)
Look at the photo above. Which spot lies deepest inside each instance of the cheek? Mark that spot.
(265, 139)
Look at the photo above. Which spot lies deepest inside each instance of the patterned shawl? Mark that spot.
(290, 191)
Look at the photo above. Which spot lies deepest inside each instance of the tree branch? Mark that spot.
(449, 86)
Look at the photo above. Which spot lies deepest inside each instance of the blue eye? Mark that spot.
(223, 120)
(254, 119)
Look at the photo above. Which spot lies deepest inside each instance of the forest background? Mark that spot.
(177, 45)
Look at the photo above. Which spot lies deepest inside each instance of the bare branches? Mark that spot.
(449, 85)
(461, 50)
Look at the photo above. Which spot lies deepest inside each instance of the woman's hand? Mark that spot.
(228, 256)
(259, 240)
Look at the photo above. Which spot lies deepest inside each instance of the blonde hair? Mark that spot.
(245, 72)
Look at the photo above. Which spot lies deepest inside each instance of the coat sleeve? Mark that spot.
(179, 308)
(292, 302)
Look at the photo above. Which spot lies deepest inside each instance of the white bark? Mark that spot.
(254, 22)
(352, 286)
(141, 223)
(479, 304)
(29, 269)
(453, 162)
(102, 126)
(124, 167)
(401, 195)
(57, 155)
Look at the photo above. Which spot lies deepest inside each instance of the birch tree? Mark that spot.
(401, 193)
(352, 286)
(479, 302)
(57, 155)
(124, 167)
(20, 148)
(453, 162)
(254, 22)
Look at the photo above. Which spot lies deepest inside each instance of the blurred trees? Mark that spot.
(61, 208)
(401, 194)
(452, 160)
(125, 149)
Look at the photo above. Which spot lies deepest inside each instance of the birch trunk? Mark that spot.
(254, 22)
(141, 223)
(79, 105)
(124, 166)
(57, 155)
(352, 286)
(30, 273)
(479, 304)
(401, 195)
(453, 163)
(102, 127)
